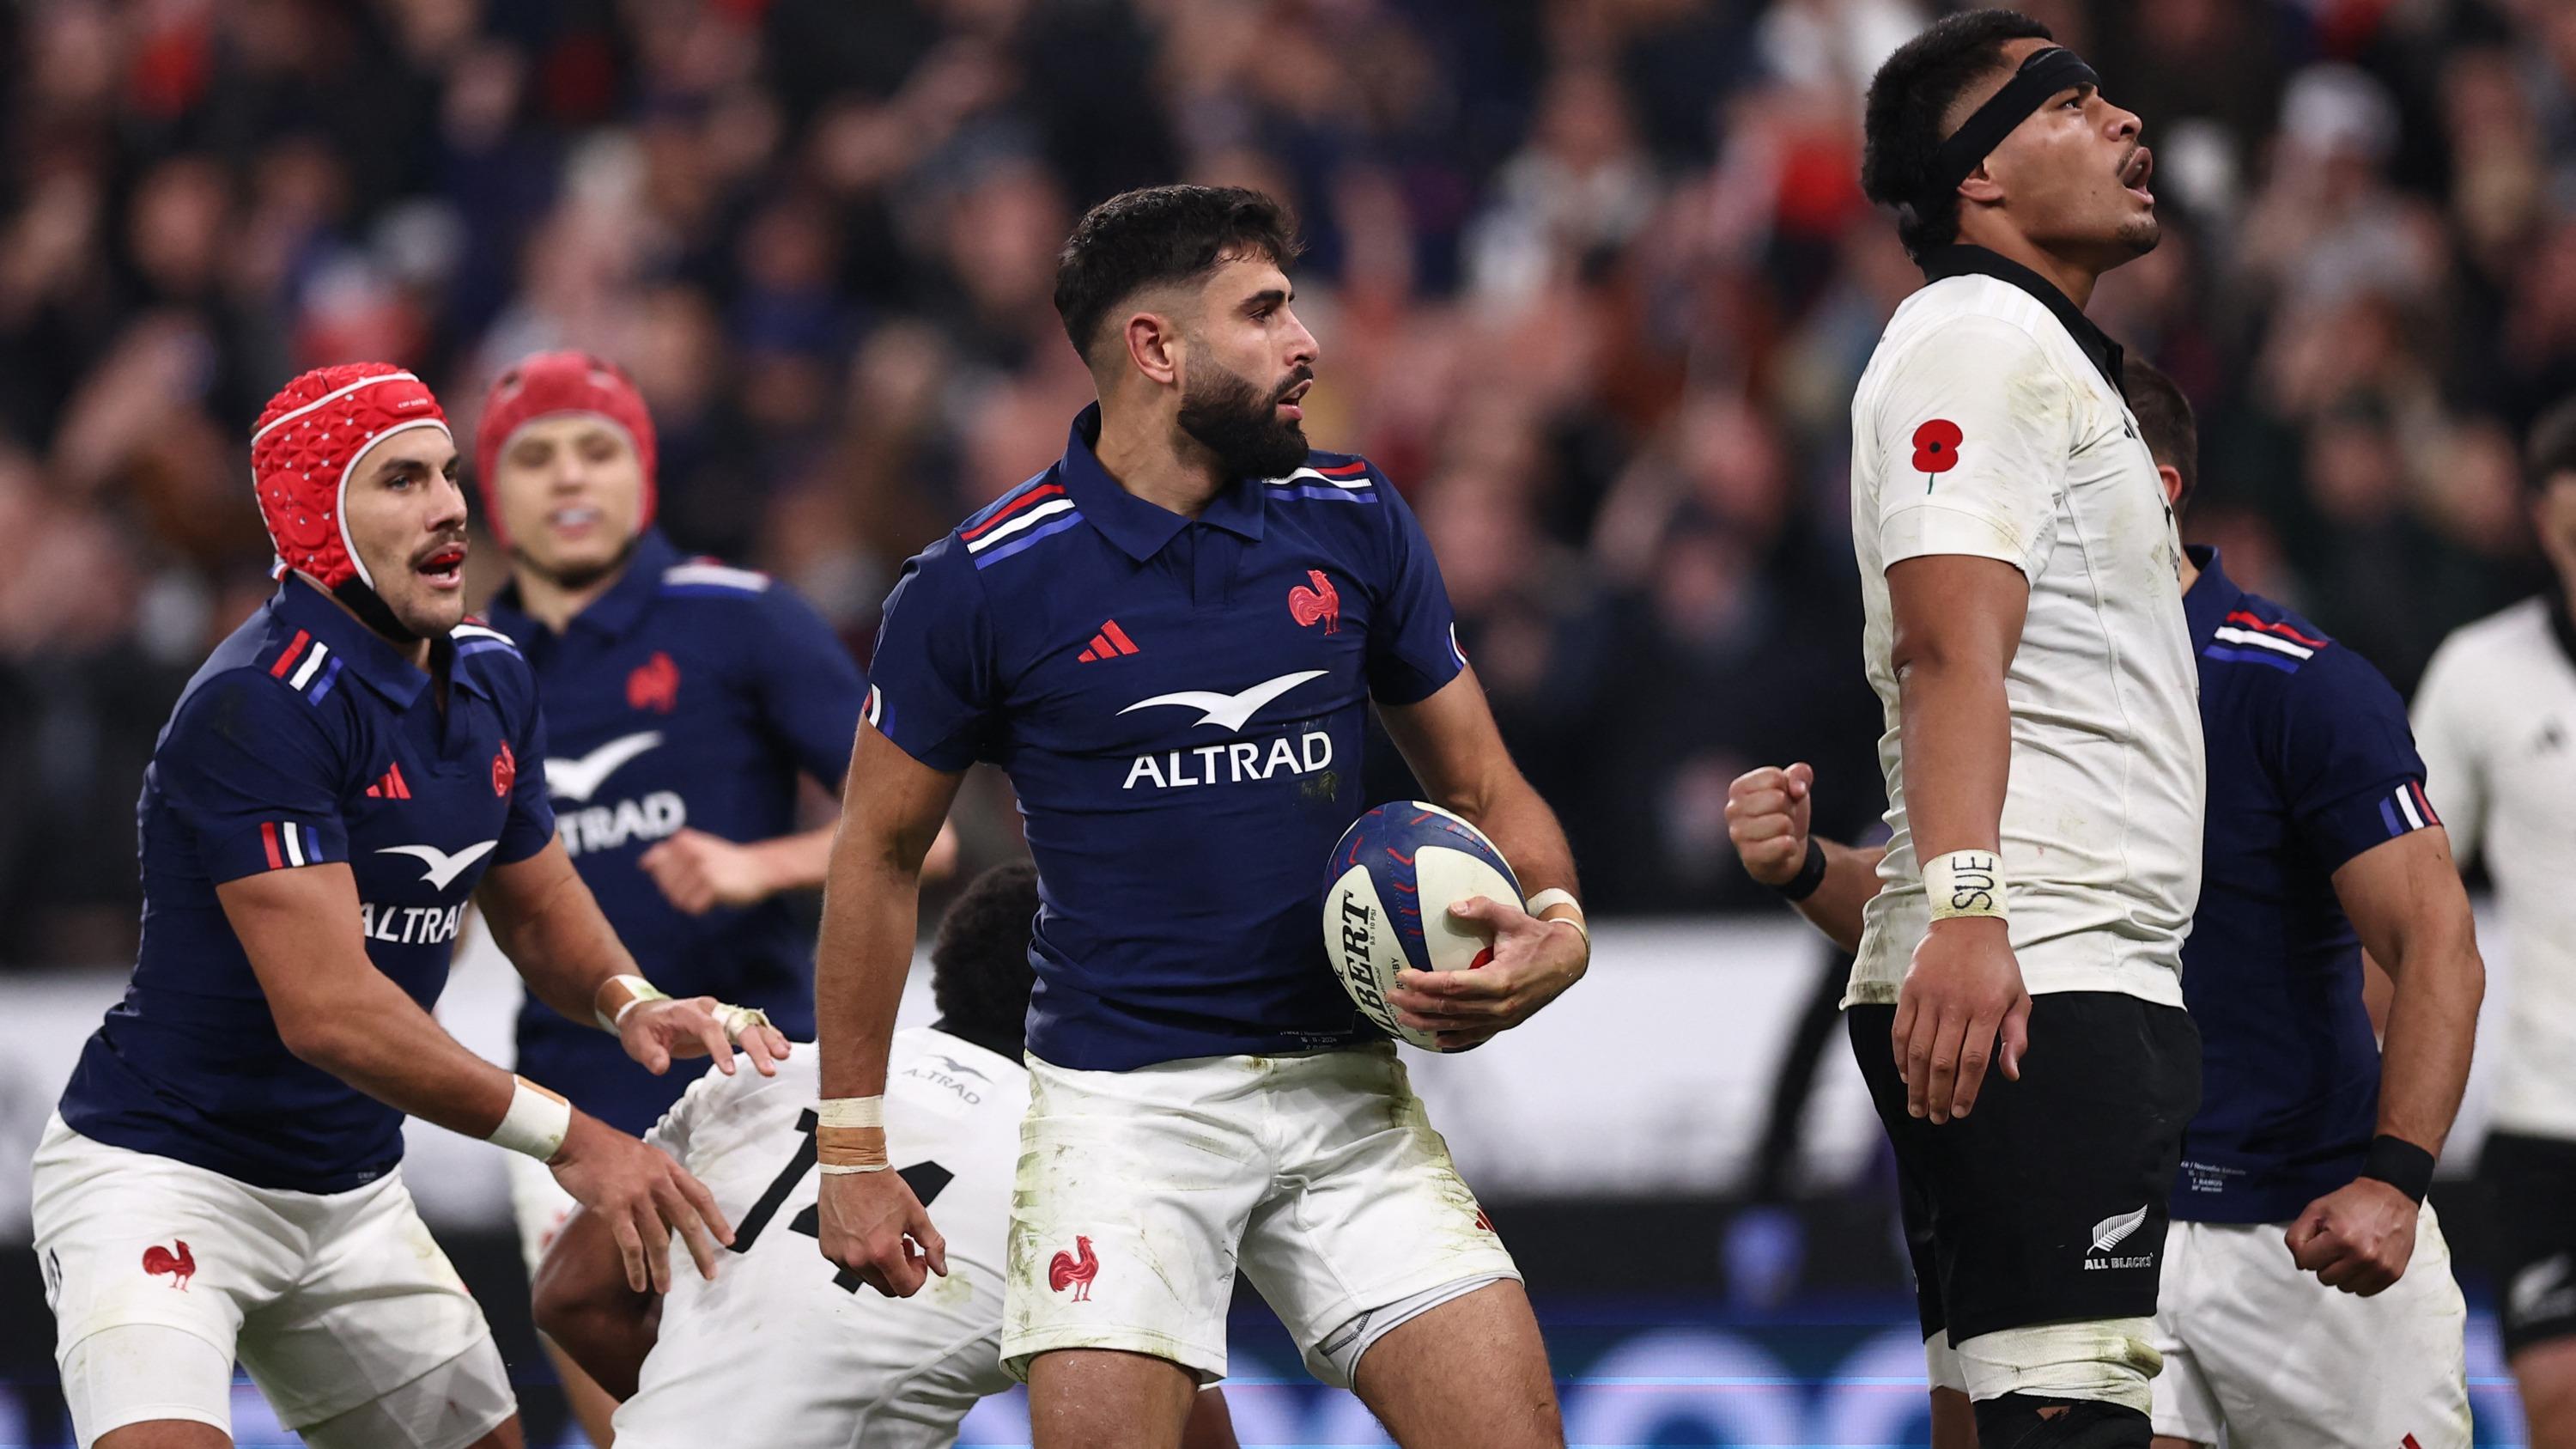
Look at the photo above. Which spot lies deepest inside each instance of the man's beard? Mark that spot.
(1240, 424)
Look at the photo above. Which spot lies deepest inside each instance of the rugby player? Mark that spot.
(2496, 719)
(339, 777)
(2042, 755)
(685, 701)
(1169, 639)
(832, 1366)
(2307, 1297)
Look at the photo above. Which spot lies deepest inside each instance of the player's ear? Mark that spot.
(1153, 346)
(2171, 477)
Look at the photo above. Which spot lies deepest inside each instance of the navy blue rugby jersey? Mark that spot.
(690, 694)
(2310, 764)
(304, 739)
(1180, 704)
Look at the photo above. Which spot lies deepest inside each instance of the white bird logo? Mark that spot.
(1233, 711)
(579, 779)
(442, 867)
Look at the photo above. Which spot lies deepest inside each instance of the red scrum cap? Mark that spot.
(550, 384)
(309, 439)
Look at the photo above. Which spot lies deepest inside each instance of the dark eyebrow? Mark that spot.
(1269, 297)
(402, 467)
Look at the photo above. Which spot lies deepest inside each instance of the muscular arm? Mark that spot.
(1450, 741)
(891, 809)
(1958, 622)
(583, 1303)
(544, 919)
(2413, 918)
(335, 1010)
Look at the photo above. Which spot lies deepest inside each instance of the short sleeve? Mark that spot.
(531, 822)
(1972, 435)
(1413, 634)
(2349, 774)
(810, 689)
(931, 682)
(253, 770)
(2446, 733)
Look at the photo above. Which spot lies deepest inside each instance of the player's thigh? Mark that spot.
(2049, 1203)
(2545, 1376)
(2185, 1408)
(380, 1322)
(1082, 1398)
(1910, 1141)
(164, 1434)
(1430, 1396)
(146, 1260)
(2299, 1365)
(2530, 1186)
(1370, 1224)
(1128, 1209)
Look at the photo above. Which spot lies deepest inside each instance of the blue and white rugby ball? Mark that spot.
(1390, 884)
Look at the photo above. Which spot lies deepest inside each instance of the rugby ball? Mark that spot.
(1389, 887)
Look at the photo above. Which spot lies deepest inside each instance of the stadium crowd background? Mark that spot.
(1593, 280)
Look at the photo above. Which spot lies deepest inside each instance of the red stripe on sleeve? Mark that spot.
(285, 662)
(1345, 470)
(2285, 631)
(1050, 490)
(268, 837)
(2423, 801)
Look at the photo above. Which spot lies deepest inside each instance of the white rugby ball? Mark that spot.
(1390, 884)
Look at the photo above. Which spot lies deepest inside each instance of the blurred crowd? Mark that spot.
(1593, 279)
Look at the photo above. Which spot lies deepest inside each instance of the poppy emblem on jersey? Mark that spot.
(655, 684)
(1936, 449)
(1322, 603)
(505, 770)
(181, 1265)
(1074, 1270)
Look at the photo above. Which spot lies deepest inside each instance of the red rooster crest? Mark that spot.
(654, 684)
(1075, 1270)
(181, 1266)
(1307, 605)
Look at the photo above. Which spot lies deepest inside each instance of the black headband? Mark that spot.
(2043, 74)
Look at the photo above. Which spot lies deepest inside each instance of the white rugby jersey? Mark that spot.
(783, 1351)
(2495, 720)
(1988, 424)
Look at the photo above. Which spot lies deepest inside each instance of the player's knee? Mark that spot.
(2030, 1421)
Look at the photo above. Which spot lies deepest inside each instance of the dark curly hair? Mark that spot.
(1909, 108)
(1138, 239)
(979, 964)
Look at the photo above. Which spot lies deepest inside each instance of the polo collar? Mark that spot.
(2212, 595)
(1963, 260)
(617, 612)
(1139, 528)
(364, 652)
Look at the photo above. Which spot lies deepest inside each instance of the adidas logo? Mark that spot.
(1110, 643)
(391, 787)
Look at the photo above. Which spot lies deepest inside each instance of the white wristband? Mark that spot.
(850, 1112)
(1965, 883)
(536, 1122)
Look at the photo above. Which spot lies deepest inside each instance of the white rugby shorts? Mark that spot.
(2280, 1360)
(334, 1302)
(1140, 1192)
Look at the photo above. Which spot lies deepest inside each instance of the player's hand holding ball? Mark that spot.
(1767, 817)
(655, 1030)
(2357, 1238)
(1426, 929)
(1961, 992)
(643, 1196)
(873, 1225)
